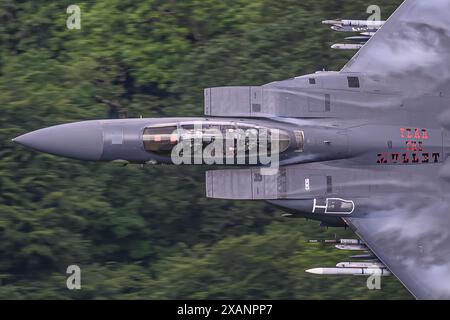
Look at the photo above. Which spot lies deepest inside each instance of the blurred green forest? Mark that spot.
(150, 233)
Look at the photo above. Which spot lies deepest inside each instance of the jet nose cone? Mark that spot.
(80, 140)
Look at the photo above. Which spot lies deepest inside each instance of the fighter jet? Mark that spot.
(366, 147)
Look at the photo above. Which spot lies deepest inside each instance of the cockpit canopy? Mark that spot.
(239, 139)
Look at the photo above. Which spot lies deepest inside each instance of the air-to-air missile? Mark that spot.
(344, 244)
(351, 247)
(347, 46)
(360, 39)
(338, 241)
(374, 264)
(350, 271)
(354, 25)
(369, 34)
(364, 257)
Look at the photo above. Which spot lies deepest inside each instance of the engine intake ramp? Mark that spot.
(292, 182)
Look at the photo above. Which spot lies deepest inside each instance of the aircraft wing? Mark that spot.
(409, 230)
(411, 49)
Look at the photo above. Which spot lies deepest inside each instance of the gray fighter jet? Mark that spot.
(366, 147)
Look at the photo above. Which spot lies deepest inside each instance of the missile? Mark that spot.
(364, 257)
(361, 265)
(324, 241)
(338, 241)
(354, 25)
(351, 247)
(362, 39)
(332, 22)
(346, 46)
(347, 29)
(351, 241)
(350, 271)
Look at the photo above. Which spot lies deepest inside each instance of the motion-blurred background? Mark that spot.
(150, 233)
